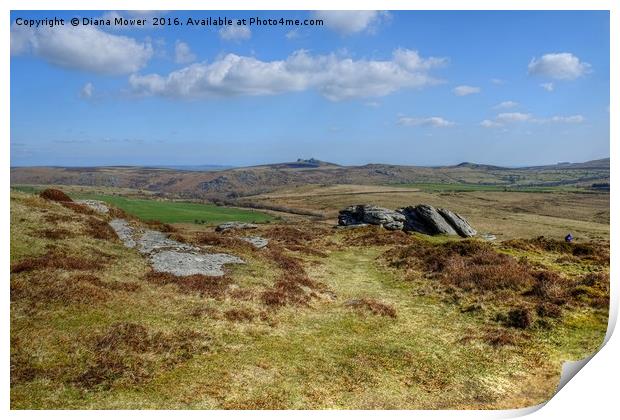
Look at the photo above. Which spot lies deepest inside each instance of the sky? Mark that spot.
(401, 87)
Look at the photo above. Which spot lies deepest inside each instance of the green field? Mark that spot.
(179, 211)
(168, 211)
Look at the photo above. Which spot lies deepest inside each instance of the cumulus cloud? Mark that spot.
(347, 22)
(506, 105)
(235, 33)
(425, 121)
(183, 53)
(547, 86)
(560, 66)
(513, 117)
(465, 90)
(335, 77)
(83, 48)
(87, 91)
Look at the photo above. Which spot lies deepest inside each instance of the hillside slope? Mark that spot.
(261, 179)
(320, 318)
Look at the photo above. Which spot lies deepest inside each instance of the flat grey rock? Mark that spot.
(256, 241)
(170, 256)
(353, 226)
(153, 240)
(235, 225)
(123, 231)
(187, 263)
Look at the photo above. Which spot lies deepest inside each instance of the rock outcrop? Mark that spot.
(457, 221)
(372, 215)
(422, 218)
(433, 220)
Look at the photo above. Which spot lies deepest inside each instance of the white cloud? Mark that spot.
(516, 117)
(490, 124)
(547, 86)
(83, 48)
(292, 34)
(506, 105)
(513, 117)
(571, 119)
(347, 22)
(464, 90)
(560, 66)
(87, 91)
(425, 121)
(335, 77)
(235, 33)
(498, 81)
(183, 53)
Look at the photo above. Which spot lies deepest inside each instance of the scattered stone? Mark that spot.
(374, 215)
(187, 263)
(354, 226)
(169, 256)
(235, 225)
(98, 206)
(123, 231)
(256, 241)
(488, 236)
(459, 224)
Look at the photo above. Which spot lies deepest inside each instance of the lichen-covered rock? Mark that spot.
(422, 218)
(433, 220)
(372, 215)
(459, 224)
(170, 256)
(413, 222)
(188, 263)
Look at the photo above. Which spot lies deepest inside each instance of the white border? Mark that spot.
(592, 393)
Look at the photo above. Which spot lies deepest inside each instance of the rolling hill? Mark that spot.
(235, 182)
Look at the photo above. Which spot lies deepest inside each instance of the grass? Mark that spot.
(180, 212)
(167, 211)
(93, 327)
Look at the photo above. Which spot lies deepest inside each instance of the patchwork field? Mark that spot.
(320, 318)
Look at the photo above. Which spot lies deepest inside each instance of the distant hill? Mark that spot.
(199, 168)
(245, 181)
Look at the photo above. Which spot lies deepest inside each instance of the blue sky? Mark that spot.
(406, 87)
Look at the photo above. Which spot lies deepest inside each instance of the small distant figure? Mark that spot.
(569, 238)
